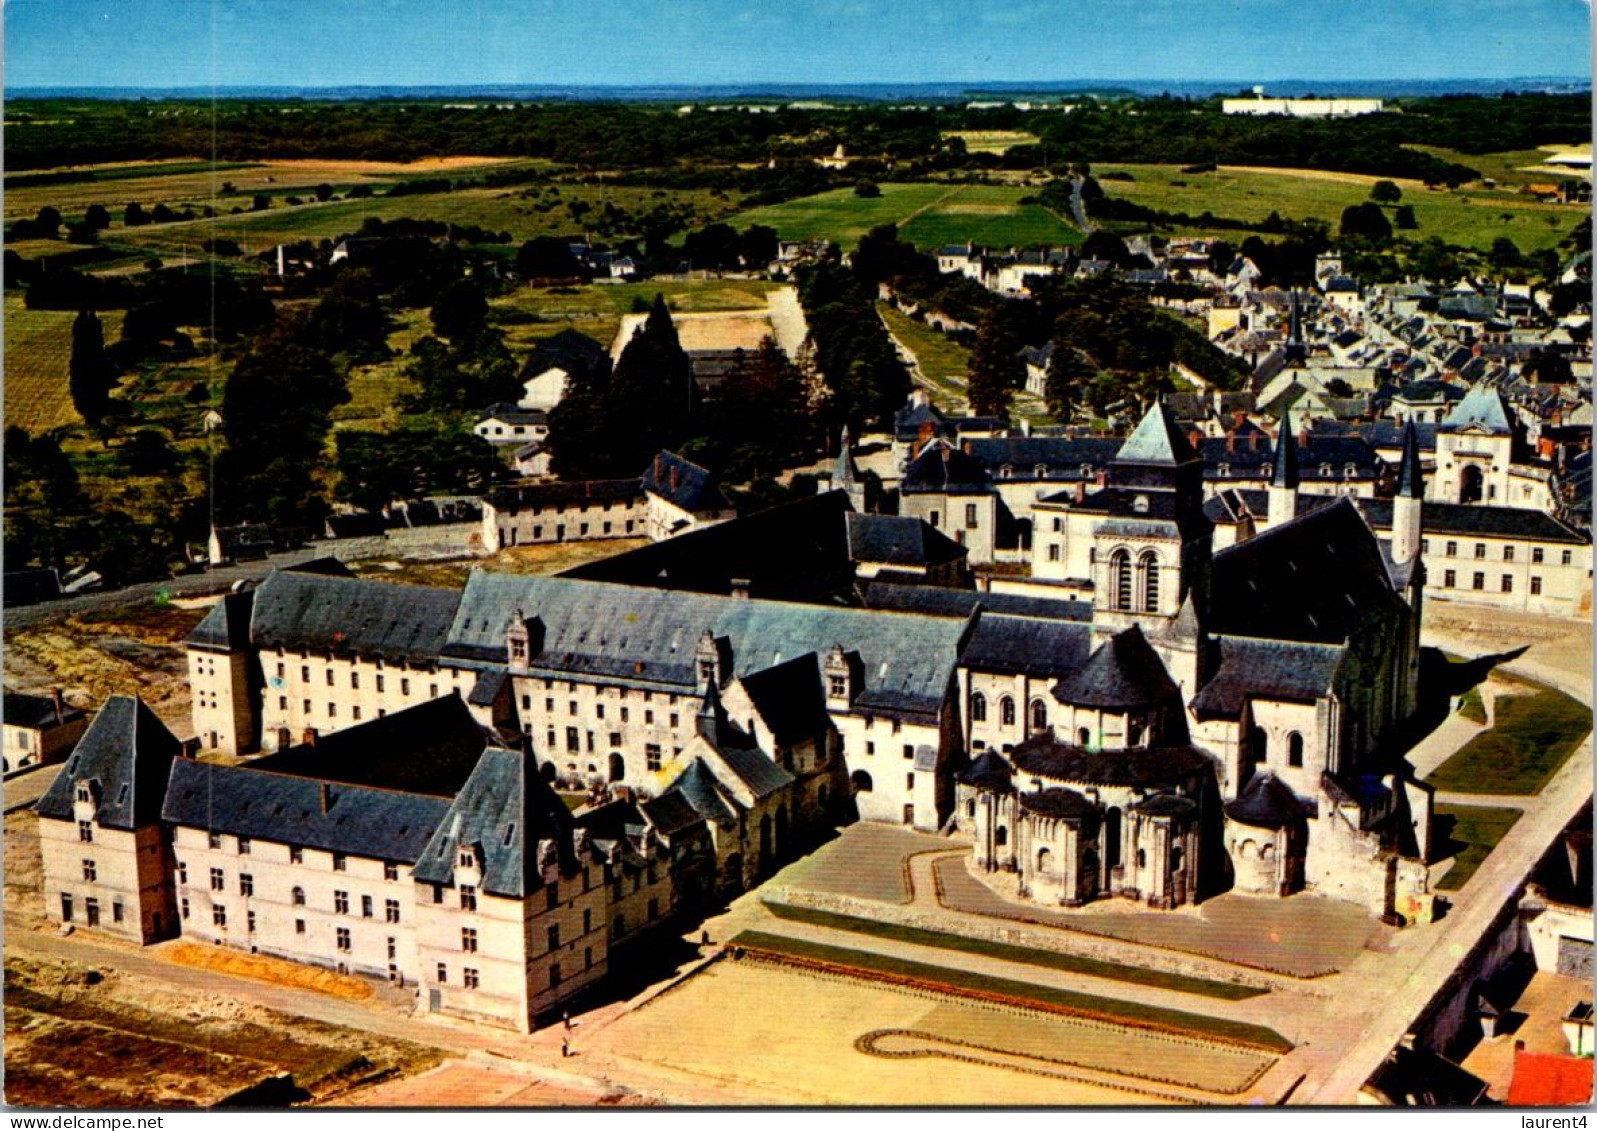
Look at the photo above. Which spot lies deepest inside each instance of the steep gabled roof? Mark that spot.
(899, 541)
(1158, 439)
(128, 753)
(1267, 669)
(1482, 408)
(1026, 644)
(697, 786)
(789, 698)
(684, 484)
(942, 468)
(1125, 671)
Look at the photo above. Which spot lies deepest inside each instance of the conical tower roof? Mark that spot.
(845, 472)
(1410, 480)
(1286, 456)
(1157, 440)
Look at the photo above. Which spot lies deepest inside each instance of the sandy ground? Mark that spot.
(1535, 1018)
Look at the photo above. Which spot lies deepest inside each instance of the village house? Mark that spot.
(39, 729)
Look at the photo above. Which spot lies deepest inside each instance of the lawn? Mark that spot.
(927, 215)
(887, 968)
(943, 361)
(38, 349)
(1534, 735)
(1029, 956)
(1476, 831)
(1471, 217)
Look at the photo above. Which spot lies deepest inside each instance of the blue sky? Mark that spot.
(164, 43)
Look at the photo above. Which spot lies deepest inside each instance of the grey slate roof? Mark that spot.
(697, 786)
(943, 469)
(358, 820)
(789, 698)
(670, 814)
(129, 753)
(1043, 756)
(504, 809)
(1318, 578)
(988, 770)
(1060, 457)
(226, 628)
(36, 712)
(364, 618)
(1266, 802)
(935, 600)
(754, 768)
(616, 631)
(683, 483)
(1158, 439)
(1267, 669)
(1025, 644)
(583, 492)
(1483, 407)
(1478, 519)
(1058, 802)
(430, 748)
(490, 682)
(899, 541)
(1125, 671)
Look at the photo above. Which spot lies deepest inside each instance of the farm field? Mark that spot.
(927, 215)
(38, 349)
(718, 1027)
(1512, 167)
(199, 182)
(1471, 217)
(528, 315)
(992, 141)
(1476, 831)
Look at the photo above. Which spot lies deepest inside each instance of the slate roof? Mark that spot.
(1479, 519)
(512, 414)
(130, 753)
(1148, 504)
(384, 824)
(1379, 433)
(430, 748)
(490, 682)
(1043, 756)
(755, 770)
(697, 786)
(1125, 671)
(988, 770)
(899, 541)
(944, 469)
(226, 628)
(505, 809)
(1166, 805)
(1266, 669)
(909, 421)
(1266, 802)
(789, 698)
(684, 484)
(1158, 439)
(936, 600)
(569, 350)
(618, 631)
(348, 617)
(1318, 578)
(670, 814)
(36, 712)
(530, 496)
(1323, 456)
(1058, 802)
(1025, 644)
(1060, 457)
(1483, 407)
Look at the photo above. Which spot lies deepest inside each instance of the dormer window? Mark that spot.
(1006, 472)
(83, 791)
(467, 859)
(1042, 471)
(1325, 470)
(1225, 470)
(1350, 470)
(837, 685)
(1140, 504)
(518, 649)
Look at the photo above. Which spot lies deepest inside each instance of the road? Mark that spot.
(1078, 210)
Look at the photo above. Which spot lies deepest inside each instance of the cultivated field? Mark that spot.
(38, 348)
(870, 1044)
(992, 141)
(927, 215)
(1471, 217)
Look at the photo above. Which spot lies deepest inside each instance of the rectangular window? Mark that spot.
(355, 713)
(909, 751)
(909, 781)
(305, 706)
(332, 710)
(468, 977)
(365, 907)
(341, 902)
(1480, 581)
(970, 516)
(573, 740)
(246, 884)
(551, 897)
(354, 681)
(1508, 553)
(214, 840)
(651, 757)
(1425, 545)
(432, 691)
(85, 832)
(182, 873)
(468, 898)
(340, 862)
(1536, 555)
(1480, 550)
(1452, 549)
(296, 854)
(438, 893)
(280, 669)
(1508, 583)
(391, 910)
(554, 936)
(554, 975)
(304, 673)
(282, 702)
(379, 683)
(299, 926)
(1053, 553)
(404, 686)
(249, 920)
(390, 870)
(219, 916)
(343, 938)
(243, 846)
(1567, 557)
(1449, 579)
(468, 939)
(1535, 587)
(329, 677)
(443, 974)
(297, 897)
(88, 871)
(218, 881)
(116, 914)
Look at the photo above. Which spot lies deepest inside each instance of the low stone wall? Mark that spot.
(1041, 938)
(421, 543)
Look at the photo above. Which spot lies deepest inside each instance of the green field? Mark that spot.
(1065, 1001)
(1514, 167)
(1008, 952)
(992, 141)
(943, 361)
(1476, 831)
(38, 348)
(1471, 217)
(1532, 737)
(928, 215)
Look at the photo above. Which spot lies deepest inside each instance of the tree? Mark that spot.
(996, 368)
(547, 257)
(1504, 255)
(147, 452)
(868, 189)
(89, 373)
(134, 216)
(757, 246)
(1366, 221)
(324, 192)
(1385, 192)
(97, 217)
(460, 311)
(1404, 218)
(1106, 246)
(1069, 371)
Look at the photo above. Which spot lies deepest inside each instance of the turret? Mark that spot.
(1284, 480)
(1407, 507)
(846, 475)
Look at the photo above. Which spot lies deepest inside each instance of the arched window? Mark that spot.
(861, 781)
(1083, 737)
(1258, 745)
(1150, 581)
(1142, 857)
(299, 897)
(618, 767)
(978, 708)
(1039, 714)
(1045, 861)
(1134, 733)
(1006, 711)
(1120, 577)
(1294, 749)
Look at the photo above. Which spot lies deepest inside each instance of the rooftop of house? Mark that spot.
(1043, 756)
(1266, 669)
(684, 484)
(341, 615)
(36, 712)
(125, 755)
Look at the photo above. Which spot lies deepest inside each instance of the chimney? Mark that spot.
(946, 453)
(308, 738)
(1303, 435)
(60, 706)
(325, 792)
(1231, 441)
(659, 468)
(676, 478)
